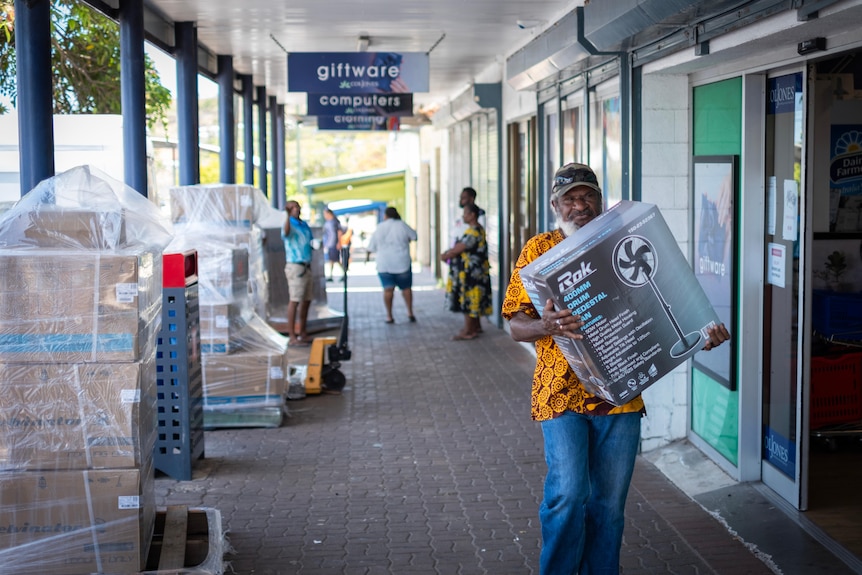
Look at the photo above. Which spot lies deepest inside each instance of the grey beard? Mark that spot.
(568, 228)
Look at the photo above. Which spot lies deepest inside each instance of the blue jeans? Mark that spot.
(590, 463)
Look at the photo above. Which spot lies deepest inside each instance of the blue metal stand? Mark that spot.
(179, 383)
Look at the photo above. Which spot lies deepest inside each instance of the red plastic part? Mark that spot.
(180, 269)
(836, 389)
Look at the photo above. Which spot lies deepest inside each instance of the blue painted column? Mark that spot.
(35, 92)
(277, 179)
(261, 135)
(279, 163)
(226, 121)
(248, 126)
(133, 94)
(186, 53)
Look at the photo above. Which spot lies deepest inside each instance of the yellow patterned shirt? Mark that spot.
(555, 387)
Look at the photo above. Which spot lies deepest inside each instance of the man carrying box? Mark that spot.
(590, 444)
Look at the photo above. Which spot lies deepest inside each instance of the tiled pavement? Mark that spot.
(428, 463)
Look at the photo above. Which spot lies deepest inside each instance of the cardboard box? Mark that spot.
(222, 274)
(76, 522)
(645, 311)
(72, 306)
(221, 204)
(220, 325)
(77, 416)
(244, 378)
(70, 228)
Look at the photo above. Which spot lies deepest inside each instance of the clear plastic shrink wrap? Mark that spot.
(254, 376)
(76, 415)
(232, 213)
(243, 358)
(80, 307)
(76, 522)
(80, 271)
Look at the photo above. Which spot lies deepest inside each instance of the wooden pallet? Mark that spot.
(186, 541)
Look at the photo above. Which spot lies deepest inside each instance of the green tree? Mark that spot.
(327, 154)
(85, 60)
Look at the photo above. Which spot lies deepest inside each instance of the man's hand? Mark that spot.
(553, 322)
(718, 334)
(561, 322)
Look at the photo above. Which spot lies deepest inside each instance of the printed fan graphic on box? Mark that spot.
(634, 263)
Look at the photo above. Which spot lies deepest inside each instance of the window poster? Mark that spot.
(715, 185)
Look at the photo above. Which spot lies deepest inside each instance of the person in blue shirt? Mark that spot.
(297, 254)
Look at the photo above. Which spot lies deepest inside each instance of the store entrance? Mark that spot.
(782, 454)
(834, 500)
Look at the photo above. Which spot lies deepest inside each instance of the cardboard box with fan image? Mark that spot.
(627, 278)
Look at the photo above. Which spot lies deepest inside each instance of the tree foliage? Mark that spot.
(85, 63)
(329, 154)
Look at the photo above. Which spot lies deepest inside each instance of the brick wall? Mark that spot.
(666, 161)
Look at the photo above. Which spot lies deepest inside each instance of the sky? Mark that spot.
(167, 69)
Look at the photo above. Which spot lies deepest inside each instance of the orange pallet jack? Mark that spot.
(325, 377)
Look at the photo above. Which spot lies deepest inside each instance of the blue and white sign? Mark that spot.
(779, 451)
(356, 123)
(846, 162)
(782, 94)
(357, 72)
(360, 104)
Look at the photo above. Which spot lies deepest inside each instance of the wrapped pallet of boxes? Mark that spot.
(247, 388)
(242, 356)
(80, 307)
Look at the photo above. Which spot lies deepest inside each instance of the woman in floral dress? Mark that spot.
(468, 290)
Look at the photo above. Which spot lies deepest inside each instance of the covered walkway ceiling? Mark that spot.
(464, 37)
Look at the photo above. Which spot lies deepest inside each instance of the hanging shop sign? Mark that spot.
(357, 72)
(360, 104)
(358, 123)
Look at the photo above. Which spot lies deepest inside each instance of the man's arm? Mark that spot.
(553, 322)
(287, 225)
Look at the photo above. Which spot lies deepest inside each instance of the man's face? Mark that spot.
(294, 209)
(576, 208)
(466, 199)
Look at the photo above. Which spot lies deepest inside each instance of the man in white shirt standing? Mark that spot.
(391, 246)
